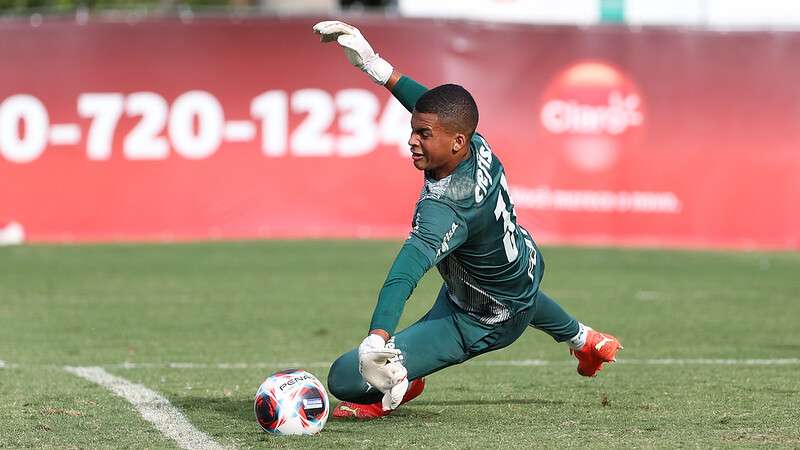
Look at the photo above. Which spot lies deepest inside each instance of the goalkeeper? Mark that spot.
(465, 225)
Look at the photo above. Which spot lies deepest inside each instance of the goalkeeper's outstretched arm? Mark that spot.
(360, 54)
(377, 361)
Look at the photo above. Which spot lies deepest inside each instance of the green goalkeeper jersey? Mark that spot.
(465, 225)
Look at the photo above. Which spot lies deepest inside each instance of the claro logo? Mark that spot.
(619, 114)
(591, 110)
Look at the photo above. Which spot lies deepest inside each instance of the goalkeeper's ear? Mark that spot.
(460, 142)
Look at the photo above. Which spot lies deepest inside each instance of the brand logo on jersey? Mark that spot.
(391, 345)
(414, 225)
(482, 177)
(446, 240)
(591, 111)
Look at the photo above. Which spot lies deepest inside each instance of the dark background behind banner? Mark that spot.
(254, 129)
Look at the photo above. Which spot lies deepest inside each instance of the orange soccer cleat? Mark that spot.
(349, 410)
(599, 348)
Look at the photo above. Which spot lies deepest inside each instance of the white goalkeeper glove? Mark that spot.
(356, 48)
(381, 367)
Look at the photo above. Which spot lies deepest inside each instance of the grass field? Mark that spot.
(711, 359)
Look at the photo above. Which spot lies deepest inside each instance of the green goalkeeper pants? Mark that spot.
(445, 336)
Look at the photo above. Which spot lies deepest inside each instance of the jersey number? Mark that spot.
(509, 229)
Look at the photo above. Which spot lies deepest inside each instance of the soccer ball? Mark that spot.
(291, 401)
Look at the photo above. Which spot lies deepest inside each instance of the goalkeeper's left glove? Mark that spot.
(356, 48)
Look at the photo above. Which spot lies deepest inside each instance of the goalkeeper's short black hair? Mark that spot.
(454, 106)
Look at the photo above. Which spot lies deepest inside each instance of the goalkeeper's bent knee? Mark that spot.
(345, 381)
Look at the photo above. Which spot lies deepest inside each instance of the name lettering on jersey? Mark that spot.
(446, 240)
(532, 261)
(482, 177)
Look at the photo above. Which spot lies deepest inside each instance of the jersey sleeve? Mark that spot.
(437, 231)
(408, 91)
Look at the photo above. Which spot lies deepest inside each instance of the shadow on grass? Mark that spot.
(232, 408)
(240, 410)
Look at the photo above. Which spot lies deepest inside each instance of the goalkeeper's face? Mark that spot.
(435, 148)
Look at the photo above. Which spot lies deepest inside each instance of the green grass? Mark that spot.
(283, 302)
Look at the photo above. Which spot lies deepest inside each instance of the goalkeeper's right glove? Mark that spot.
(356, 48)
(381, 367)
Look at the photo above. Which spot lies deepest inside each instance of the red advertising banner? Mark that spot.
(220, 129)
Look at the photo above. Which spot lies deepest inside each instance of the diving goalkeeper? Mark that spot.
(465, 225)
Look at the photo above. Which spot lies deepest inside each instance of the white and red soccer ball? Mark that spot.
(291, 401)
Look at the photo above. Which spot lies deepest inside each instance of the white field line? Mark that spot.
(153, 407)
(655, 362)
(716, 362)
(492, 363)
(187, 365)
(479, 362)
(6, 365)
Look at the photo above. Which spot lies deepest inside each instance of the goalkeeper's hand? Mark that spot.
(356, 48)
(381, 367)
